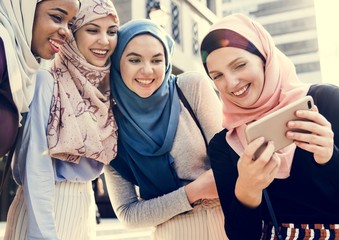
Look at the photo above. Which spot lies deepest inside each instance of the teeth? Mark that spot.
(55, 43)
(144, 81)
(102, 52)
(241, 91)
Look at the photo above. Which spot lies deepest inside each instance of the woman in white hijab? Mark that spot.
(69, 134)
(29, 30)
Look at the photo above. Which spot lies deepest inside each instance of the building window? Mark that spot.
(149, 5)
(295, 25)
(195, 38)
(307, 67)
(175, 22)
(274, 7)
(225, 13)
(298, 48)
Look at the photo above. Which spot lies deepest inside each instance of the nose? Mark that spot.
(65, 32)
(103, 39)
(147, 68)
(231, 80)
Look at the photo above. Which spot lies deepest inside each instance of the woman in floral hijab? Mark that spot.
(69, 135)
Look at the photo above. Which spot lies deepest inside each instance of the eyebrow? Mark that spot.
(60, 10)
(63, 11)
(138, 55)
(229, 64)
(97, 25)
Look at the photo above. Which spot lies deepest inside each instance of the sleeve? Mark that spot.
(241, 222)
(3, 65)
(37, 174)
(134, 212)
(9, 115)
(204, 101)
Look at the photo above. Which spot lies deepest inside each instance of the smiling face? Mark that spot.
(97, 40)
(237, 74)
(142, 65)
(52, 21)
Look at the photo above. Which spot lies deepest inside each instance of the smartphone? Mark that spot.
(274, 125)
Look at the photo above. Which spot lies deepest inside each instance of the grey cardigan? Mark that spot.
(188, 151)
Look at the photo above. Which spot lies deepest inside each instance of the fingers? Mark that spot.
(255, 172)
(317, 137)
(272, 167)
(251, 148)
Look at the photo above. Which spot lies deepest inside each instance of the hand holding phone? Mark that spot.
(273, 127)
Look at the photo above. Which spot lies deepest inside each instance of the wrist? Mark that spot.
(249, 197)
(191, 193)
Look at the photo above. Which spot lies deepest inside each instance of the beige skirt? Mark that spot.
(204, 222)
(74, 209)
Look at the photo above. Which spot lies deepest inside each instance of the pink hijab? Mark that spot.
(81, 122)
(281, 87)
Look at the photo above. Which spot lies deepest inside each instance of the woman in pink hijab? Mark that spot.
(292, 193)
(69, 134)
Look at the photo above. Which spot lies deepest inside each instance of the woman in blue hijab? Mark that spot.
(161, 150)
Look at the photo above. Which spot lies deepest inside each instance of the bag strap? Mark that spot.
(272, 214)
(190, 110)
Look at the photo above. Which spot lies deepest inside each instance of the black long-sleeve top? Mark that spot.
(8, 112)
(309, 195)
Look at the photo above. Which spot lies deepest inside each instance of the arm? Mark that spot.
(326, 98)
(9, 116)
(237, 216)
(36, 169)
(321, 127)
(204, 101)
(135, 212)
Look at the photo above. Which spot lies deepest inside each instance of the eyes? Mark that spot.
(236, 67)
(59, 19)
(112, 31)
(137, 60)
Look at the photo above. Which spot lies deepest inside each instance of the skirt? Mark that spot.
(303, 231)
(74, 210)
(204, 222)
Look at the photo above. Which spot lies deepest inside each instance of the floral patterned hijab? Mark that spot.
(281, 87)
(81, 122)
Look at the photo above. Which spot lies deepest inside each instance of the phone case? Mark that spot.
(274, 126)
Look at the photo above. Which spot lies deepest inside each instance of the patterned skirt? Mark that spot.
(302, 232)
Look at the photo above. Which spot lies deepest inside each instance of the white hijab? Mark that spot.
(16, 25)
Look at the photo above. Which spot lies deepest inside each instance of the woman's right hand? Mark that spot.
(255, 175)
(202, 188)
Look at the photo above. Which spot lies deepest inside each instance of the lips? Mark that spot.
(56, 44)
(145, 81)
(100, 53)
(241, 91)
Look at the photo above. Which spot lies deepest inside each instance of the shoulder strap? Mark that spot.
(190, 110)
(272, 214)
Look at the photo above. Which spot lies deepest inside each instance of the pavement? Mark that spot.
(109, 229)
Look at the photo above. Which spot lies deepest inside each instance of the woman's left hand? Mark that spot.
(319, 138)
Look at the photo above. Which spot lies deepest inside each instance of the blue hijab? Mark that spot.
(146, 126)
